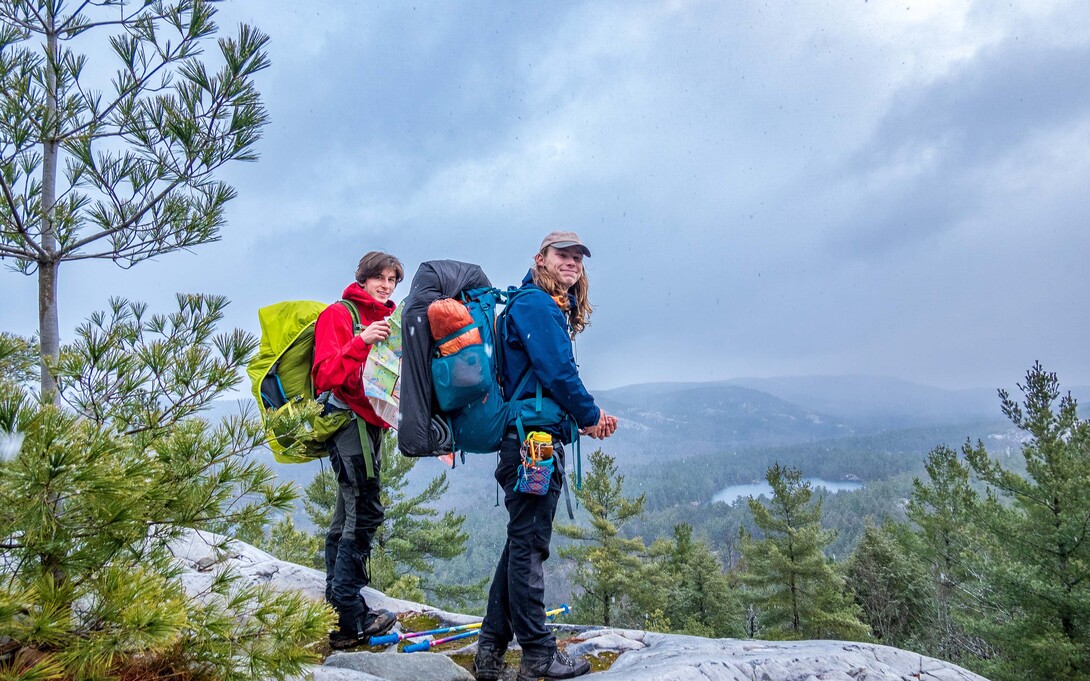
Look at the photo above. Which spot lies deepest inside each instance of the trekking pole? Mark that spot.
(397, 638)
(426, 644)
(475, 629)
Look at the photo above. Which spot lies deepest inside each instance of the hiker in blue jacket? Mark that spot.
(541, 327)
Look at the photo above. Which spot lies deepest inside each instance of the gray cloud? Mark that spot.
(811, 188)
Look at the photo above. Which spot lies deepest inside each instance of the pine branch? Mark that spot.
(18, 222)
(64, 252)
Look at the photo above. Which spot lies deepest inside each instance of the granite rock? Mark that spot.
(642, 655)
(671, 657)
(402, 666)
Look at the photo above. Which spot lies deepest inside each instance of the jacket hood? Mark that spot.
(364, 301)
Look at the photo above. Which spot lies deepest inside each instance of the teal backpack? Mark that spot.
(468, 385)
(468, 389)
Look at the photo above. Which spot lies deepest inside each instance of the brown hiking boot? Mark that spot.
(353, 632)
(377, 623)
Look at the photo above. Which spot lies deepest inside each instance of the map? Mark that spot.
(381, 373)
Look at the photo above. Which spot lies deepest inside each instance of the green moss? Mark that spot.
(602, 662)
(418, 621)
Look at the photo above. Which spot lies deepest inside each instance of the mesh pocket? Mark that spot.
(461, 378)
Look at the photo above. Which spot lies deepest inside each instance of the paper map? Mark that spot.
(381, 373)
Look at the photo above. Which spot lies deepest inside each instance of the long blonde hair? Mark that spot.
(578, 314)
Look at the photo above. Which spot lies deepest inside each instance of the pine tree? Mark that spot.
(891, 584)
(18, 359)
(414, 535)
(797, 593)
(944, 508)
(293, 545)
(699, 597)
(105, 480)
(1039, 525)
(123, 168)
(605, 562)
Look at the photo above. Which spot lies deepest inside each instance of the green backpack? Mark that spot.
(280, 375)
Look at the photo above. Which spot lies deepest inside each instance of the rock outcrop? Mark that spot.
(643, 655)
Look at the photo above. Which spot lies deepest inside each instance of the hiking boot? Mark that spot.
(488, 665)
(353, 632)
(377, 623)
(339, 640)
(557, 665)
(347, 633)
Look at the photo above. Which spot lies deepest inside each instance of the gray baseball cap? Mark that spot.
(563, 240)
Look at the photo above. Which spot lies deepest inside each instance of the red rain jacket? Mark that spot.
(339, 353)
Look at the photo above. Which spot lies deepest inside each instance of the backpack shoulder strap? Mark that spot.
(357, 326)
(509, 296)
(365, 441)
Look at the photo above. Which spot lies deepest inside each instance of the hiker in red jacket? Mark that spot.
(340, 349)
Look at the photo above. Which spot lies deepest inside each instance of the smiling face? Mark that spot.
(381, 286)
(564, 264)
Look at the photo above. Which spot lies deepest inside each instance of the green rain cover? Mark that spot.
(287, 337)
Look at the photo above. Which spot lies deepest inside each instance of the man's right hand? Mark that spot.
(375, 332)
(605, 427)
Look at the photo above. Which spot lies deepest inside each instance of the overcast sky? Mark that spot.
(768, 188)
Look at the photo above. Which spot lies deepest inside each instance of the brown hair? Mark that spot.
(578, 314)
(375, 263)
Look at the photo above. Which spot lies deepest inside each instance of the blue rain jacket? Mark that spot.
(538, 338)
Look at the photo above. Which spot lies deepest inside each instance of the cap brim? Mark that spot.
(569, 244)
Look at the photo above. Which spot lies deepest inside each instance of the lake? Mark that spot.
(728, 495)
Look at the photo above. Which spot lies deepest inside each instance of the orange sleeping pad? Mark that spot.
(445, 317)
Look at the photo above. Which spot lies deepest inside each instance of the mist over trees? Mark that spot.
(982, 565)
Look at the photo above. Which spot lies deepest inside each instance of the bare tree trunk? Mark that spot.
(48, 323)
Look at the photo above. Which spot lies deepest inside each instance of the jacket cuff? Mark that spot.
(594, 420)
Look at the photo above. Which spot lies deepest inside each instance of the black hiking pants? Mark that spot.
(516, 599)
(356, 517)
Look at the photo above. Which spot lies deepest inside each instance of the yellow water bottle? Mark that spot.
(540, 445)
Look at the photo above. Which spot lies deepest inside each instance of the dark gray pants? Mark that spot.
(516, 599)
(356, 517)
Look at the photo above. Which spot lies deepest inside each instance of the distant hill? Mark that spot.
(688, 418)
(871, 402)
(860, 424)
